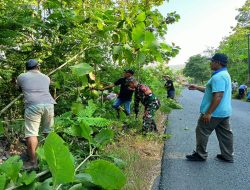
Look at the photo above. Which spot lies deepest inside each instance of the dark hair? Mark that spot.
(32, 68)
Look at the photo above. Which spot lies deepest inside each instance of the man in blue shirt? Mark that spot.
(215, 111)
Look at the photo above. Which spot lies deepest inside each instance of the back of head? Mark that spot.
(32, 64)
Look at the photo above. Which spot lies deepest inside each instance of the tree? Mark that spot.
(197, 68)
(107, 35)
(235, 45)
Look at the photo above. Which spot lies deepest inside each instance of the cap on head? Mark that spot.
(129, 71)
(31, 63)
(220, 57)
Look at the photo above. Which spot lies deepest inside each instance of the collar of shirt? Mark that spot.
(219, 70)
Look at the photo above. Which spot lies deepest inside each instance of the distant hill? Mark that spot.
(176, 67)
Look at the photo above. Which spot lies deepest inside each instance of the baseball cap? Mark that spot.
(31, 63)
(129, 71)
(220, 57)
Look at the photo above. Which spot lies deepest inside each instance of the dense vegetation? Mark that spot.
(95, 41)
(235, 46)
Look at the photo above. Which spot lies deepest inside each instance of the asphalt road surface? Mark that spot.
(180, 174)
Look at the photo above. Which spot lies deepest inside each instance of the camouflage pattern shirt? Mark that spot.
(148, 100)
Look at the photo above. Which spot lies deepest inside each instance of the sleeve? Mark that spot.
(136, 102)
(218, 84)
(18, 84)
(118, 82)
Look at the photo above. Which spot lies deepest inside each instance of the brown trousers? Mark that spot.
(223, 132)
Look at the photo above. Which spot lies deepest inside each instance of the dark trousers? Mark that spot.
(223, 132)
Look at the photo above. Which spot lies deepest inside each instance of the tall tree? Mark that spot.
(197, 68)
(235, 45)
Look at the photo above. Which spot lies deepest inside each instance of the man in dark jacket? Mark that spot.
(125, 95)
(170, 87)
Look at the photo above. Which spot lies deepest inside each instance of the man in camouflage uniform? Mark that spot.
(144, 95)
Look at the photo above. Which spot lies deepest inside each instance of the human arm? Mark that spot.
(136, 103)
(196, 87)
(107, 87)
(17, 84)
(217, 96)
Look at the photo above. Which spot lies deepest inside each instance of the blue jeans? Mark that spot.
(126, 103)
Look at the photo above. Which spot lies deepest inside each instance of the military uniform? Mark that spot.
(151, 103)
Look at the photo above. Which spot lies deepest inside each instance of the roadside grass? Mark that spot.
(142, 155)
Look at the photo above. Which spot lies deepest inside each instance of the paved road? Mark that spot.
(179, 174)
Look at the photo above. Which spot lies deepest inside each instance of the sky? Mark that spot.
(203, 24)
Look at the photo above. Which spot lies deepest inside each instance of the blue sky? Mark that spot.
(203, 24)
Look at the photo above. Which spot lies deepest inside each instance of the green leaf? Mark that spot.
(106, 174)
(138, 33)
(59, 159)
(81, 69)
(166, 47)
(2, 181)
(11, 167)
(104, 137)
(84, 178)
(77, 108)
(100, 25)
(149, 37)
(140, 58)
(141, 17)
(86, 130)
(46, 185)
(40, 153)
(78, 187)
(95, 121)
(117, 50)
(27, 178)
(1, 127)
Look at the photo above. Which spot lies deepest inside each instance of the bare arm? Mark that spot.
(107, 87)
(196, 87)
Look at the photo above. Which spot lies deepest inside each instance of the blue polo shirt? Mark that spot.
(219, 82)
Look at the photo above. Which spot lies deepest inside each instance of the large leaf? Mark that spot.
(86, 130)
(141, 17)
(95, 121)
(59, 159)
(81, 69)
(149, 38)
(106, 174)
(77, 108)
(104, 137)
(2, 181)
(138, 33)
(11, 167)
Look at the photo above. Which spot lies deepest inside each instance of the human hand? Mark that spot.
(206, 118)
